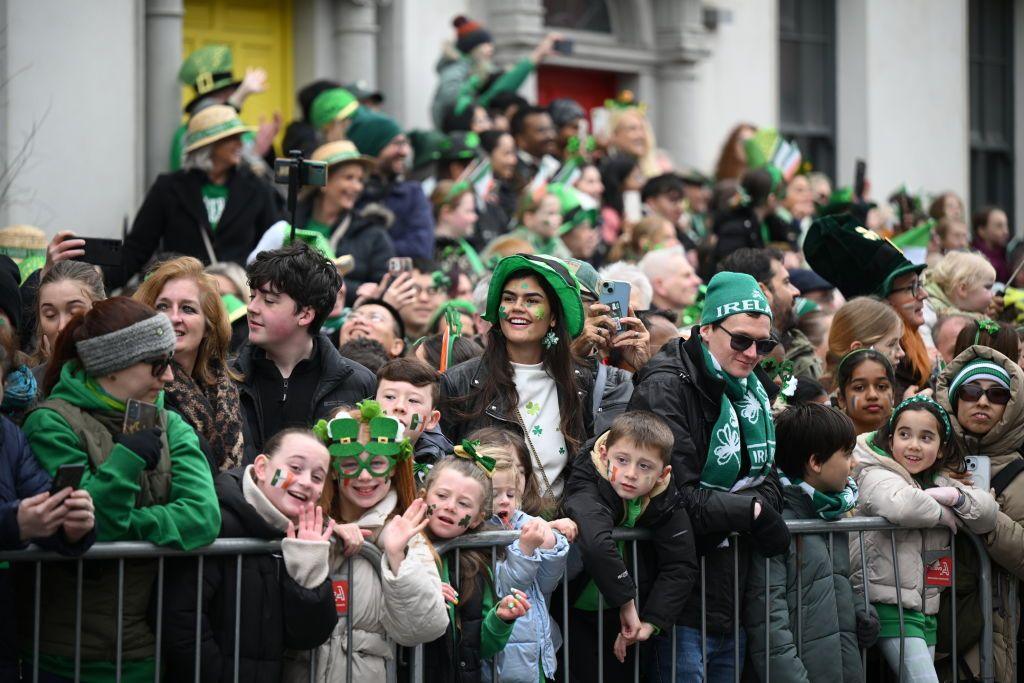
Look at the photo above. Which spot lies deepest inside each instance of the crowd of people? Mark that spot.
(508, 323)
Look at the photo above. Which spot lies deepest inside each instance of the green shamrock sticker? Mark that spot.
(537, 431)
(561, 451)
(533, 408)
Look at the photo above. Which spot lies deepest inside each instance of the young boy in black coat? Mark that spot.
(287, 601)
(623, 479)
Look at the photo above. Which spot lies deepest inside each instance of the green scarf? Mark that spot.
(829, 506)
(756, 431)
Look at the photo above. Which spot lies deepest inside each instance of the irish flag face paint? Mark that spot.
(282, 479)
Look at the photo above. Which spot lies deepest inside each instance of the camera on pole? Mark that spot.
(297, 172)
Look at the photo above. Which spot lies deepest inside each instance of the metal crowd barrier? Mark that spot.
(239, 548)
(121, 551)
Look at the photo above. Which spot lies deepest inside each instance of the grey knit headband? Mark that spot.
(145, 340)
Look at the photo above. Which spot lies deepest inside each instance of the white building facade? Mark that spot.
(924, 90)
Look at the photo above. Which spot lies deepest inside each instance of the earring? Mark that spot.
(550, 340)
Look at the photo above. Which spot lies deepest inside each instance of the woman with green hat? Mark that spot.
(215, 208)
(328, 213)
(527, 380)
(981, 390)
(150, 483)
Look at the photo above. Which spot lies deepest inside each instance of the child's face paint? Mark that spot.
(458, 502)
(632, 470)
(430, 510)
(411, 405)
(614, 474)
(294, 475)
(415, 421)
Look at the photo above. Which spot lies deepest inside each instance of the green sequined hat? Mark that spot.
(554, 271)
(207, 70)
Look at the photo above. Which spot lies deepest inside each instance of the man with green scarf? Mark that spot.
(718, 404)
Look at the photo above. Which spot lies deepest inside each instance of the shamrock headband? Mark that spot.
(467, 450)
(929, 404)
(990, 327)
(386, 446)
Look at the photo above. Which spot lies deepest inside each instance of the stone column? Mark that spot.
(681, 43)
(355, 40)
(164, 21)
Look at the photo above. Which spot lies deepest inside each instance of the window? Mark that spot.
(581, 15)
(807, 79)
(991, 83)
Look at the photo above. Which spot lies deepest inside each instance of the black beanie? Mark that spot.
(470, 34)
(10, 294)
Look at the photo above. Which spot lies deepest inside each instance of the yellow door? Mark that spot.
(259, 33)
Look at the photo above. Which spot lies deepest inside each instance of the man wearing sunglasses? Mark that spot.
(717, 402)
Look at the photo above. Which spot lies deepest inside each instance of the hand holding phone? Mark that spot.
(139, 415)
(615, 295)
(67, 476)
(101, 251)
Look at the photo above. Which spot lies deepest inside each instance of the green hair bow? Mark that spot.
(990, 327)
(467, 450)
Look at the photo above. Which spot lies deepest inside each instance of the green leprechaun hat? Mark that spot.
(856, 260)
(385, 436)
(343, 437)
(555, 273)
(207, 70)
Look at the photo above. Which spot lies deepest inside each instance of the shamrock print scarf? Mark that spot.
(744, 419)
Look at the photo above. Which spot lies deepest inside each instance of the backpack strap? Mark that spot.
(1007, 475)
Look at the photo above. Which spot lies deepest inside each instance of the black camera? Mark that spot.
(308, 172)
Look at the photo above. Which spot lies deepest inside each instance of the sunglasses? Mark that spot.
(741, 342)
(160, 365)
(973, 392)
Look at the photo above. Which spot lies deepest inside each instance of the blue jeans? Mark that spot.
(689, 667)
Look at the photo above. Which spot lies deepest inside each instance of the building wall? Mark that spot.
(739, 80)
(74, 113)
(902, 93)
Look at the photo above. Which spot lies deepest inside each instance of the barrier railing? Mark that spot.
(240, 548)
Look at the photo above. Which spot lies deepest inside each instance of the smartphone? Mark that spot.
(859, 174)
(139, 415)
(980, 469)
(67, 475)
(564, 46)
(615, 295)
(102, 251)
(399, 264)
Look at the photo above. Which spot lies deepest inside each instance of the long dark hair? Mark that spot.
(951, 448)
(614, 171)
(109, 315)
(499, 381)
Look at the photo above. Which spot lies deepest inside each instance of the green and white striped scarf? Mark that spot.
(746, 399)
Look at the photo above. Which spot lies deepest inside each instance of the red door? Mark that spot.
(589, 87)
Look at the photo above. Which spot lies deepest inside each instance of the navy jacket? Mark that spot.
(412, 233)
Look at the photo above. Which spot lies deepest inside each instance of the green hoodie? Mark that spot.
(190, 519)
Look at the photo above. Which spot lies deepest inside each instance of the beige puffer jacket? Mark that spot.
(408, 609)
(1006, 542)
(887, 490)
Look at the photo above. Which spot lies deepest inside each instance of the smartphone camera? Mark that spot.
(309, 172)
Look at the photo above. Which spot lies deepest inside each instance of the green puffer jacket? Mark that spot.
(828, 612)
(174, 505)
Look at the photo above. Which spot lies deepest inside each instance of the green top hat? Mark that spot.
(385, 436)
(336, 104)
(236, 308)
(207, 70)
(558, 277)
(426, 146)
(858, 261)
(343, 433)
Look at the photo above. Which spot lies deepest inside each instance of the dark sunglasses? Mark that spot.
(741, 342)
(160, 365)
(973, 392)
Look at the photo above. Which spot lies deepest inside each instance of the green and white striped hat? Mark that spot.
(979, 368)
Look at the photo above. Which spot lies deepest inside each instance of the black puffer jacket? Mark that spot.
(276, 613)
(366, 239)
(667, 565)
(466, 380)
(173, 217)
(342, 383)
(455, 656)
(741, 228)
(675, 385)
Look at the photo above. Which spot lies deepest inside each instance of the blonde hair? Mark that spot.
(960, 268)
(505, 245)
(235, 273)
(864, 319)
(213, 348)
(639, 241)
(503, 462)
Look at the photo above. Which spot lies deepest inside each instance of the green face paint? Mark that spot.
(430, 510)
(503, 313)
(524, 286)
(414, 422)
(539, 313)
(464, 522)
